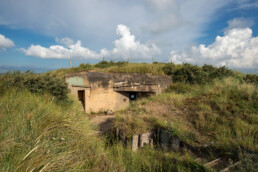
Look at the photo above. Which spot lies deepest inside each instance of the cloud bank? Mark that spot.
(166, 22)
(5, 42)
(124, 47)
(236, 49)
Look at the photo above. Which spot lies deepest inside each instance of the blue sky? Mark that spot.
(44, 35)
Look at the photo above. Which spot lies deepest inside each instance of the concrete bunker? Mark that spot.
(98, 91)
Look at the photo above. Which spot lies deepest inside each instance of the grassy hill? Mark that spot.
(42, 128)
(224, 111)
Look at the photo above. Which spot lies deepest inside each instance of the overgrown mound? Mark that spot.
(39, 134)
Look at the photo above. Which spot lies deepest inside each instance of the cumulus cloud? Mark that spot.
(170, 24)
(5, 42)
(236, 49)
(124, 47)
(239, 23)
(127, 46)
(166, 22)
(75, 51)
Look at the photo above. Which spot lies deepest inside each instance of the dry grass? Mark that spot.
(37, 134)
(224, 112)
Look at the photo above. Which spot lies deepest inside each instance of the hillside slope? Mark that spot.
(37, 134)
(42, 128)
(224, 112)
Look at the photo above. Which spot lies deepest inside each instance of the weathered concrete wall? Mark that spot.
(106, 99)
(110, 91)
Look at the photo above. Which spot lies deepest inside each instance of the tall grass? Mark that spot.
(149, 159)
(137, 68)
(224, 111)
(36, 134)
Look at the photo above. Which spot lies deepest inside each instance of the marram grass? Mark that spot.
(39, 135)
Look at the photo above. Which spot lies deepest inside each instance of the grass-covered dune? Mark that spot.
(42, 128)
(41, 131)
(112, 67)
(224, 112)
(37, 134)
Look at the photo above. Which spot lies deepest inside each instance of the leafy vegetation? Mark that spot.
(35, 83)
(106, 64)
(192, 74)
(251, 79)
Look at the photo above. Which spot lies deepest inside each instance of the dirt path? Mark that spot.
(103, 122)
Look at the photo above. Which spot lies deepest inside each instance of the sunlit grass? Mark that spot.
(224, 111)
(37, 134)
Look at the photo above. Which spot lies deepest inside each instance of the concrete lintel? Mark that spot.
(136, 89)
(83, 86)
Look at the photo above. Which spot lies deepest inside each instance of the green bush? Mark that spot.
(169, 68)
(35, 83)
(106, 64)
(197, 75)
(209, 68)
(84, 66)
(220, 73)
(121, 63)
(189, 74)
(251, 79)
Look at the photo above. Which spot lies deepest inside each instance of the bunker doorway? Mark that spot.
(81, 97)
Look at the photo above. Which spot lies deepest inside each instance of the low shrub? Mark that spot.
(35, 83)
(249, 78)
(169, 68)
(197, 75)
(189, 74)
(106, 64)
(85, 66)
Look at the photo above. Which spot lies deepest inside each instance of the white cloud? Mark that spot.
(170, 24)
(124, 47)
(65, 41)
(75, 51)
(236, 49)
(5, 42)
(239, 23)
(127, 46)
(166, 22)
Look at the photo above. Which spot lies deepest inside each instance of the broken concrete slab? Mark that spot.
(145, 139)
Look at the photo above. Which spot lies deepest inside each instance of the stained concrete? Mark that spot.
(110, 91)
(135, 142)
(158, 137)
(145, 139)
